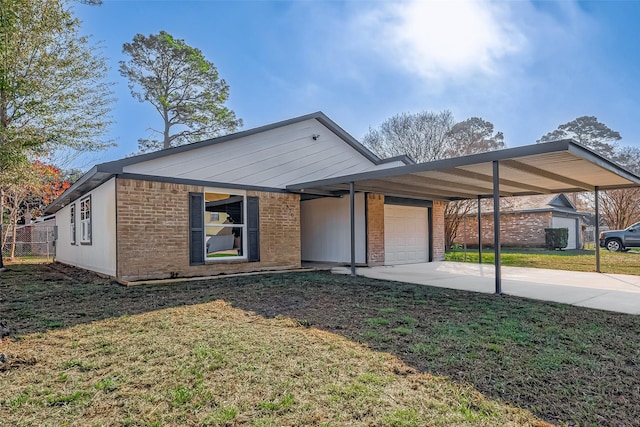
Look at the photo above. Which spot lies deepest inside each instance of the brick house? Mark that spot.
(523, 220)
(222, 206)
(298, 190)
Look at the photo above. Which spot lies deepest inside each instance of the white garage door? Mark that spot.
(569, 223)
(406, 235)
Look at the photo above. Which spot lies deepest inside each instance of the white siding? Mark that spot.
(326, 231)
(100, 255)
(275, 158)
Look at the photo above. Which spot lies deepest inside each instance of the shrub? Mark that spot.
(556, 238)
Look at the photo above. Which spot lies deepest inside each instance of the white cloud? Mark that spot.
(439, 39)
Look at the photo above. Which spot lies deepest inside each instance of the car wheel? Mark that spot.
(614, 245)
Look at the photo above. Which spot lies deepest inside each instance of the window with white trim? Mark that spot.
(85, 220)
(225, 227)
(72, 224)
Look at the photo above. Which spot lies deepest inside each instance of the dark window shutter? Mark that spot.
(253, 228)
(196, 228)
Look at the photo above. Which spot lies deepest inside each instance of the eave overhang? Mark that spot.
(554, 167)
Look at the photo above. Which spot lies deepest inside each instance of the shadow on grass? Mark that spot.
(565, 364)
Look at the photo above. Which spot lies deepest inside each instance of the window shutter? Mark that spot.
(253, 229)
(196, 228)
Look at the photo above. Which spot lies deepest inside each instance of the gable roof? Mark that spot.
(562, 201)
(529, 204)
(104, 171)
(318, 115)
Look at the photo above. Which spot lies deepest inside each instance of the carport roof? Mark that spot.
(554, 167)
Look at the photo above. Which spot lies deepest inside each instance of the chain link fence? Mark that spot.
(30, 241)
(589, 236)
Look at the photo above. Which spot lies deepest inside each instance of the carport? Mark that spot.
(555, 167)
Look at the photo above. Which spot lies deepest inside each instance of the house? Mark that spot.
(298, 190)
(523, 220)
(222, 206)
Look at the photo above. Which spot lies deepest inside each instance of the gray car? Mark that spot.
(621, 240)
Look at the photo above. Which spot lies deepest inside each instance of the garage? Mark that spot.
(571, 224)
(406, 235)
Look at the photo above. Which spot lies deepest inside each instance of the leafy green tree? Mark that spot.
(619, 208)
(588, 131)
(52, 88)
(474, 135)
(182, 85)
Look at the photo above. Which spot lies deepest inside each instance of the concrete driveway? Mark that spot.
(613, 292)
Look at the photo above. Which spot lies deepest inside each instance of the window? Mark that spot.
(73, 223)
(85, 220)
(224, 226)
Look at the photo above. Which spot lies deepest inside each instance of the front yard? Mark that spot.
(572, 260)
(286, 349)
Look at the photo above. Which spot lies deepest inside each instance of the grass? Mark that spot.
(302, 376)
(233, 351)
(571, 260)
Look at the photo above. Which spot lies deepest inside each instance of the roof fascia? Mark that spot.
(194, 182)
(402, 158)
(490, 156)
(578, 149)
(566, 202)
(118, 165)
(75, 187)
(442, 164)
(346, 137)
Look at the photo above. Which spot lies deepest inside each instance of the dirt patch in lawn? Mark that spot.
(568, 365)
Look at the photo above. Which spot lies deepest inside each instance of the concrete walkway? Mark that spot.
(613, 292)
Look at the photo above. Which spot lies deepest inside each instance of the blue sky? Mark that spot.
(526, 66)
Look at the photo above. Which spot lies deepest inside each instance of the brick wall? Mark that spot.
(153, 232)
(375, 229)
(517, 230)
(438, 230)
(279, 229)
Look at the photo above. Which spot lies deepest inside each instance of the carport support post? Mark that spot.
(479, 231)
(352, 212)
(597, 237)
(496, 225)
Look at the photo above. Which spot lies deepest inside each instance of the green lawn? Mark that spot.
(305, 349)
(108, 355)
(572, 260)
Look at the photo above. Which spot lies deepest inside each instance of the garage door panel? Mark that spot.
(406, 234)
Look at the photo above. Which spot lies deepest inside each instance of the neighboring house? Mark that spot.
(222, 206)
(523, 220)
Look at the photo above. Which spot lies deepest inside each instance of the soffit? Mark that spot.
(556, 167)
